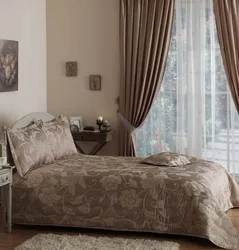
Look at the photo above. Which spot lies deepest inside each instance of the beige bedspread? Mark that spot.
(122, 194)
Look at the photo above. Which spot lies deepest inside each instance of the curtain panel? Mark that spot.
(145, 34)
(227, 22)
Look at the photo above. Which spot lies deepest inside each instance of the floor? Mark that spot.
(19, 234)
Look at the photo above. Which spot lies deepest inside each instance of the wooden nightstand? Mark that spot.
(6, 196)
(101, 137)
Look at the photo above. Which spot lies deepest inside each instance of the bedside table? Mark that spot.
(6, 196)
(101, 137)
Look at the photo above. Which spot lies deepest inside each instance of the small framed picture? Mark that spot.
(71, 69)
(77, 121)
(95, 82)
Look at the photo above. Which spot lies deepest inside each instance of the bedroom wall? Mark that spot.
(85, 31)
(25, 21)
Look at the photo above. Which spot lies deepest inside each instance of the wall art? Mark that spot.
(8, 65)
(95, 82)
(71, 69)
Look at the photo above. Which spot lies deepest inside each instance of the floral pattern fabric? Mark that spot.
(121, 193)
(28, 147)
(169, 159)
(59, 137)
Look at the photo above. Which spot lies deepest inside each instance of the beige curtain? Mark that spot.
(145, 34)
(227, 22)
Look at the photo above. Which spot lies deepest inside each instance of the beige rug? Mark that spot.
(84, 242)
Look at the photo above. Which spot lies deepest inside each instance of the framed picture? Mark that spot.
(77, 121)
(71, 69)
(95, 82)
(8, 65)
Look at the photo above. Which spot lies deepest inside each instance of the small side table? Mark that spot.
(101, 137)
(6, 196)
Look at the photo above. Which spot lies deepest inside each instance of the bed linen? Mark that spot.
(120, 193)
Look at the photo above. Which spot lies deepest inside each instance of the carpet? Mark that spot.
(84, 242)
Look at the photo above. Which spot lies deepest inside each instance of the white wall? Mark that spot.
(25, 21)
(86, 31)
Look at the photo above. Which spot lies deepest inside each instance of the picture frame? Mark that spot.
(8, 65)
(71, 69)
(77, 121)
(95, 82)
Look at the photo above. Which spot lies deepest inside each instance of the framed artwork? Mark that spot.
(8, 65)
(77, 121)
(71, 69)
(95, 82)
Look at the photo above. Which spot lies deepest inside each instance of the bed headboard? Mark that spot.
(27, 119)
(23, 122)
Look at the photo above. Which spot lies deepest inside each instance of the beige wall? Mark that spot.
(86, 31)
(25, 21)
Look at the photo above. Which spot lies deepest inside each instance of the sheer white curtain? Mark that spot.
(193, 113)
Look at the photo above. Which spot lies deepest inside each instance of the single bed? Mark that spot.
(121, 193)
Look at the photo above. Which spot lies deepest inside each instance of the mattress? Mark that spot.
(120, 193)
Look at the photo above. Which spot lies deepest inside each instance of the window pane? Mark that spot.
(221, 79)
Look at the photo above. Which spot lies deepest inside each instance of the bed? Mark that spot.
(121, 193)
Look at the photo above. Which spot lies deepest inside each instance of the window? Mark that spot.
(193, 112)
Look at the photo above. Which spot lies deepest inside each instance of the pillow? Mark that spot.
(29, 148)
(169, 159)
(59, 137)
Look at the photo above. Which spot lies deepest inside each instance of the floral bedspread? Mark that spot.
(122, 194)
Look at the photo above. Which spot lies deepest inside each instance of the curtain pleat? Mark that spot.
(227, 22)
(145, 33)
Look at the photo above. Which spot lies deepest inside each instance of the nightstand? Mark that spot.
(6, 196)
(101, 137)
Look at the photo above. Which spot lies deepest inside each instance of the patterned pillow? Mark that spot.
(169, 159)
(59, 137)
(28, 147)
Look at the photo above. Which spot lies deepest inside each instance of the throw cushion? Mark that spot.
(59, 137)
(28, 147)
(169, 159)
